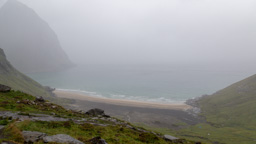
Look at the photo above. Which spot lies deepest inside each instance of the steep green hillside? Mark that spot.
(230, 115)
(11, 77)
(232, 106)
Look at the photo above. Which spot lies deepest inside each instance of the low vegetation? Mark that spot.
(27, 105)
(230, 116)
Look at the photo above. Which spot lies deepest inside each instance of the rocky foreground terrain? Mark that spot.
(27, 119)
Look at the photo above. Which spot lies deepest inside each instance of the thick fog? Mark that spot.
(153, 31)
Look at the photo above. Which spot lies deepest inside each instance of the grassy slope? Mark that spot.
(8, 102)
(233, 106)
(230, 115)
(11, 77)
(113, 134)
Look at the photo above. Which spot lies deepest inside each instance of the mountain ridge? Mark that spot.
(29, 42)
(11, 77)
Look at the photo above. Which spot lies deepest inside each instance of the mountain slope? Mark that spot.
(233, 106)
(11, 77)
(230, 115)
(29, 42)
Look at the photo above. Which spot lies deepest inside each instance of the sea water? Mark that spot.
(151, 83)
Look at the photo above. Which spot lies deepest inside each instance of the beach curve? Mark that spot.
(120, 102)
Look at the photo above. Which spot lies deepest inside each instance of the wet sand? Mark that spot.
(145, 113)
(118, 102)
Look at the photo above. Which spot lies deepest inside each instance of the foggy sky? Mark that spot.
(153, 31)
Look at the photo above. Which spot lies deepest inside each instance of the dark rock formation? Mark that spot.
(29, 42)
(61, 138)
(4, 88)
(97, 140)
(39, 99)
(95, 112)
(32, 137)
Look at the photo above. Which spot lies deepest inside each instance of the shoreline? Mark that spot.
(120, 102)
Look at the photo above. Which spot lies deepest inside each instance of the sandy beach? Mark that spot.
(131, 103)
(146, 113)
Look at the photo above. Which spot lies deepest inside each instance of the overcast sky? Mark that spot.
(153, 31)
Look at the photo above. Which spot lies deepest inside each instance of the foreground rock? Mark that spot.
(61, 138)
(32, 137)
(39, 99)
(32, 117)
(8, 142)
(95, 112)
(2, 127)
(97, 140)
(4, 88)
(170, 138)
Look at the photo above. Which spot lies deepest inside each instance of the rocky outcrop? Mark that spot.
(40, 99)
(170, 138)
(61, 138)
(4, 88)
(26, 116)
(195, 110)
(1, 127)
(8, 142)
(95, 112)
(32, 136)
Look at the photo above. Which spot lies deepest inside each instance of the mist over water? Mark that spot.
(151, 50)
(152, 83)
(152, 31)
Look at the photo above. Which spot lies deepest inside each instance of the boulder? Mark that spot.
(170, 138)
(106, 116)
(8, 142)
(61, 138)
(97, 140)
(2, 127)
(4, 88)
(32, 136)
(39, 99)
(95, 112)
(49, 89)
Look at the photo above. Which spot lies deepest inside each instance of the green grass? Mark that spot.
(113, 133)
(230, 114)
(14, 101)
(229, 135)
(207, 133)
(232, 106)
(84, 132)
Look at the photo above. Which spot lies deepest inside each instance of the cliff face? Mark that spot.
(11, 77)
(30, 44)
